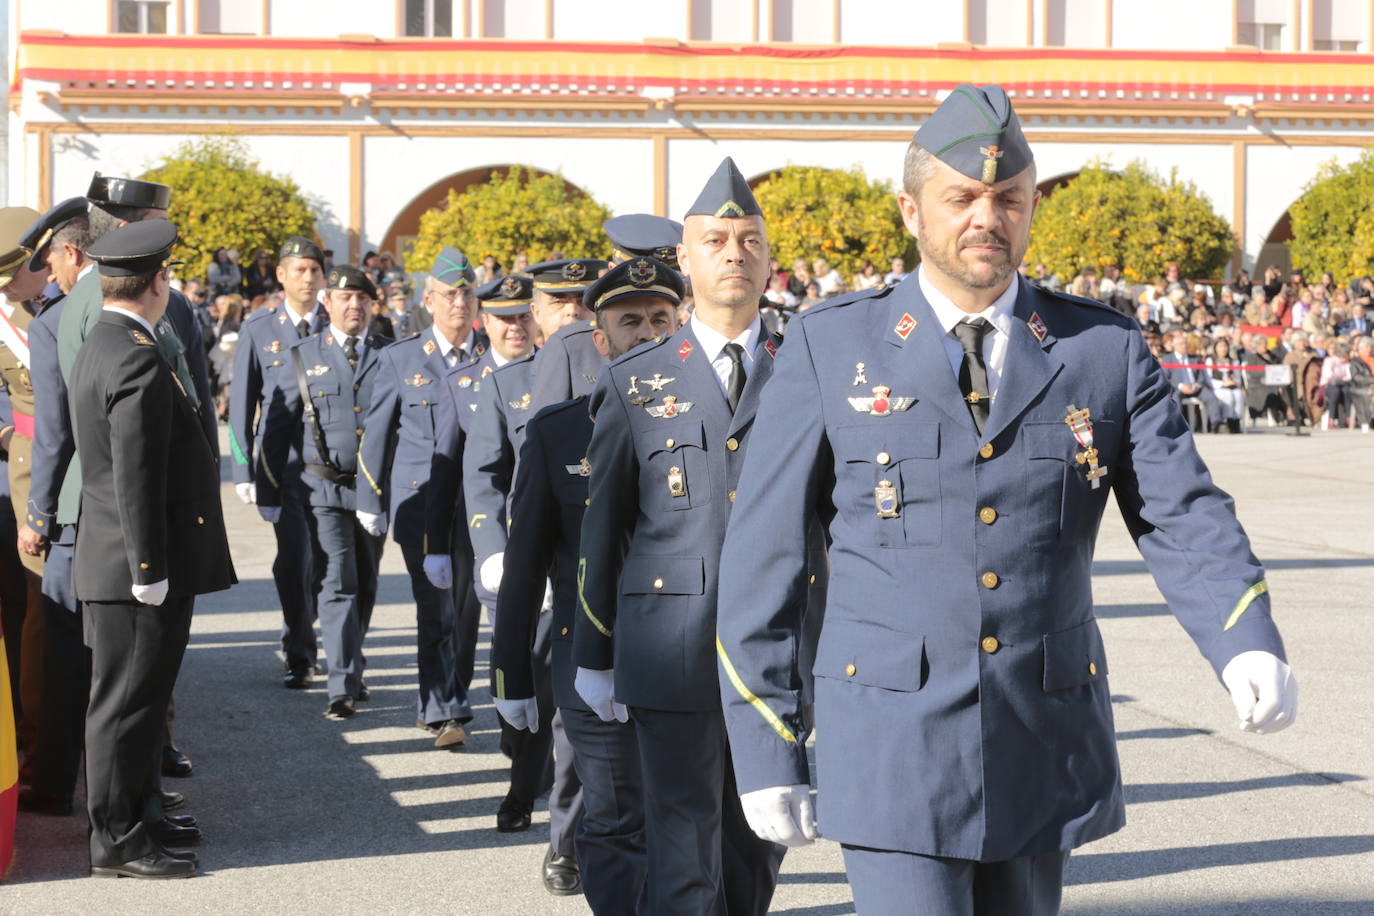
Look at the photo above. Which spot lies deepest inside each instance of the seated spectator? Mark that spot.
(778, 294)
(1362, 382)
(813, 296)
(828, 278)
(1267, 401)
(1085, 284)
(1273, 282)
(521, 264)
(799, 279)
(1189, 380)
(867, 277)
(1240, 287)
(1335, 384)
(1364, 291)
(1224, 325)
(1307, 372)
(897, 274)
(488, 270)
(1199, 302)
(224, 274)
(1228, 383)
(1173, 279)
(1302, 307)
(1358, 322)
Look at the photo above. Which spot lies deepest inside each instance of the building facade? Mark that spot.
(635, 103)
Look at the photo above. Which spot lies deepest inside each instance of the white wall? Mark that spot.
(586, 20)
(76, 16)
(517, 19)
(311, 19)
(802, 21)
(227, 17)
(1076, 23)
(1172, 25)
(1276, 176)
(997, 23)
(911, 22)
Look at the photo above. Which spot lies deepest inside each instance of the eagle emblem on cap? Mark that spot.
(338, 280)
(642, 273)
(665, 254)
(510, 287)
(574, 271)
(882, 404)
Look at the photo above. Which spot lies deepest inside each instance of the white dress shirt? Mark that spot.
(341, 338)
(128, 314)
(999, 315)
(713, 347)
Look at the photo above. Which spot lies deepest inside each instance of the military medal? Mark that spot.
(670, 407)
(1081, 425)
(677, 484)
(859, 377)
(882, 404)
(658, 381)
(584, 469)
(886, 500)
(465, 382)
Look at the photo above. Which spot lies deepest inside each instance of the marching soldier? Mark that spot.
(319, 415)
(961, 433)
(151, 538)
(568, 363)
(634, 303)
(673, 421)
(263, 371)
(394, 459)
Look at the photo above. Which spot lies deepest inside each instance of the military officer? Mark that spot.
(394, 458)
(673, 421)
(634, 302)
(568, 363)
(262, 371)
(151, 538)
(961, 433)
(319, 415)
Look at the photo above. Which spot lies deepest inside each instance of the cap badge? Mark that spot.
(882, 404)
(1037, 327)
(685, 350)
(510, 287)
(729, 209)
(905, 326)
(658, 381)
(670, 408)
(295, 247)
(574, 271)
(642, 273)
(990, 163)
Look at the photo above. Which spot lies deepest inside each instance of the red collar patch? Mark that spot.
(905, 326)
(685, 350)
(1037, 327)
(771, 347)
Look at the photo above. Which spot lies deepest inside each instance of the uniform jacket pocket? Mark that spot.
(678, 476)
(663, 576)
(864, 653)
(1074, 656)
(900, 456)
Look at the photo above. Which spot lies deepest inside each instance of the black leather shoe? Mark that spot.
(514, 815)
(154, 865)
(449, 734)
(339, 708)
(298, 680)
(181, 820)
(562, 877)
(363, 693)
(169, 834)
(172, 801)
(184, 855)
(174, 762)
(39, 803)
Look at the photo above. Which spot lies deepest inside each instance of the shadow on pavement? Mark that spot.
(1173, 791)
(1269, 906)
(1109, 867)
(828, 909)
(1162, 733)
(1135, 567)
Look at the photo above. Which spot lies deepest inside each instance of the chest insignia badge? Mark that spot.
(771, 347)
(523, 403)
(429, 347)
(882, 404)
(860, 378)
(273, 347)
(416, 380)
(465, 382)
(658, 381)
(670, 408)
(582, 469)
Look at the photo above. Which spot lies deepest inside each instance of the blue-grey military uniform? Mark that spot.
(394, 459)
(262, 375)
(340, 396)
(566, 366)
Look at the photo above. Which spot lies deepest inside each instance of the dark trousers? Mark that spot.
(66, 680)
(297, 571)
(136, 652)
(468, 621)
(887, 883)
(703, 858)
(443, 695)
(610, 839)
(348, 591)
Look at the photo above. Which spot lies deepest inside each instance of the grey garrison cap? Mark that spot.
(726, 195)
(976, 132)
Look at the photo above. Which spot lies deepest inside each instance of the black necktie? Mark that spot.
(351, 352)
(973, 372)
(734, 388)
(303, 327)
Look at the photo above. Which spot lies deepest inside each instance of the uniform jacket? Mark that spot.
(566, 366)
(397, 447)
(262, 368)
(445, 512)
(82, 311)
(961, 679)
(545, 529)
(19, 381)
(496, 431)
(662, 488)
(340, 396)
(53, 443)
(150, 506)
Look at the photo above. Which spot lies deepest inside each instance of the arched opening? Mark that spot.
(1050, 185)
(1275, 251)
(406, 226)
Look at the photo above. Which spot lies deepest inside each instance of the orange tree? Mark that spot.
(1333, 225)
(837, 214)
(1134, 218)
(518, 210)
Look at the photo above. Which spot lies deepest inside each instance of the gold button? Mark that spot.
(813, 580)
(357, 409)
(587, 501)
(143, 566)
(424, 403)
(990, 580)
(670, 443)
(732, 444)
(732, 496)
(986, 450)
(319, 394)
(884, 458)
(40, 524)
(563, 632)
(355, 387)
(1092, 668)
(658, 583)
(415, 483)
(990, 644)
(849, 669)
(360, 432)
(200, 520)
(987, 515)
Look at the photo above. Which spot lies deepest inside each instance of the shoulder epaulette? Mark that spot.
(143, 340)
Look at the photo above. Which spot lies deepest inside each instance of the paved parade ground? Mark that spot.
(303, 814)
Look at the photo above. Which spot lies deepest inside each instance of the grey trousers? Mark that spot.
(888, 883)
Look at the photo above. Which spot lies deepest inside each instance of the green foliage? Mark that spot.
(519, 210)
(1333, 225)
(221, 198)
(836, 214)
(1133, 218)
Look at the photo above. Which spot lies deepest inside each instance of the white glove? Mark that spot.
(490, 573)
(1264, 691)
(595, 689)
(270, 513)
(153, 594)
(439, 570)
(374, 525)
(783, 814)
(248, 492)
(521, 714)
(548, 597)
